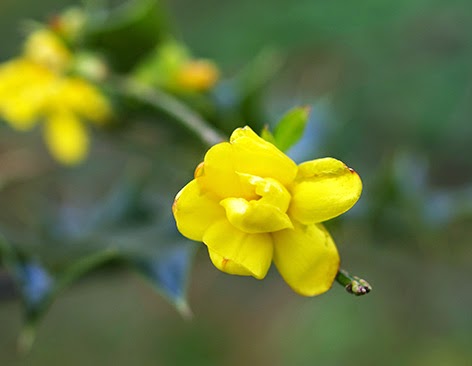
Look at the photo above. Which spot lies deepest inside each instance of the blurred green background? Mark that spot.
(391, 85)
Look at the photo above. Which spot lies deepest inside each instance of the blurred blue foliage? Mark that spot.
(35, 283)
(169, 271)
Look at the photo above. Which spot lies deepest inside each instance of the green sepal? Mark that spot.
(290, 128)
(267, 135)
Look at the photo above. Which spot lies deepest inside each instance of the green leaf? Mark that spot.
(290, 128)
(124, 205)
(168, 272)
(127, 33)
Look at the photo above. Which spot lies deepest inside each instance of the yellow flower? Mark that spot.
(251, 205)
(36, 87)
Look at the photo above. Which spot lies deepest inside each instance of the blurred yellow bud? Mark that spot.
(198, 75)
(70, 23)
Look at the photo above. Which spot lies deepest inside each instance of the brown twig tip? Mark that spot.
(358, 287)
(353, 284)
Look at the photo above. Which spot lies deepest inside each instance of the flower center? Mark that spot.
(262, 215)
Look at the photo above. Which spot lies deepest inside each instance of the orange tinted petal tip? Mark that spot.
(350, 169)
(174, 206)
(199, 170)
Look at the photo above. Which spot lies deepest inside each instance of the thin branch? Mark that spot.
(173, 107)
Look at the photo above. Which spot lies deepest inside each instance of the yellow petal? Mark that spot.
(270, 191)
(306, 258)
(217, 174)
(255, 217)
(246, 153)
(262, 215)
(24, 88)
(226, 265)
(251, 252)
(46, 48)
(84, 99)
(194, 211)
(324, 188)
(254, 155)
(66, 138)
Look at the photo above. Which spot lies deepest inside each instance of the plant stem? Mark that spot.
(353, 284)
(173, 107)
(83, 266)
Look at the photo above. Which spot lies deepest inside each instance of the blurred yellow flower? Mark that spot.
(251, 205)
(172, 67)
(36, 87)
